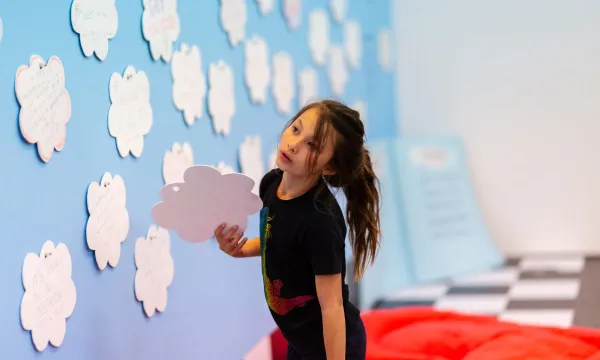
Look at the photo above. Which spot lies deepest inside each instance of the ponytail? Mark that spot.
(362, 215)
(353, 173)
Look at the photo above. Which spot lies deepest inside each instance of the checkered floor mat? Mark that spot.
(554, 291)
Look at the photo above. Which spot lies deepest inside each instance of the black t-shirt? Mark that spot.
(301, 238)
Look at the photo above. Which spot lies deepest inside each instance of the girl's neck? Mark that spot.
(292, 186)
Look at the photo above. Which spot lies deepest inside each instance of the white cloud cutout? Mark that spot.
(45, 104)
(160, 27)
(337, 71)
(233, 20)
(257, 72)
(378, 160)
(108, 223)
(176, 161)
(50, 295)
(251, 160)
(384, 51)
(292, 11)
(155, 269)
(221, 96)
(353, 43)
(1, 29)
(224, 168)
(130, 114)
(361, 107)
(189, 82)
(265, 6)
(338, 10)
(96, 22)
(308, 86)
(318, 36)
(273, 159)
(206, 199)
(283, 82)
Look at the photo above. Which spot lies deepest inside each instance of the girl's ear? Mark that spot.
(328, 172)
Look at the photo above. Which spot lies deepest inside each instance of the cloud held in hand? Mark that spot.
(196, 207)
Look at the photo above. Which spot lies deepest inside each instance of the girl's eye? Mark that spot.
(295, 129)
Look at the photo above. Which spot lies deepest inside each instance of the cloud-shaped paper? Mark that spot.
(1, 29)
(160, 27)
(189, 82)
(221, 97)
(224, 168)
(108, 224)
(45, 104)
(318, 36)
(258, 73)
(361, 107)
(50, 295)
(273, 159)
(155, 269)
(308, 86)
(353, 43)
(130, 114)
(251, 160)
(292, 11)
(378, 160)
(384, 51)
(176, 161)
(283, 82)
(338, 74)
(265, 6)
(338, 10)
(233, 20)
(206, 199)
(96, 21)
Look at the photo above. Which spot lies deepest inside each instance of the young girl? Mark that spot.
(303, 231)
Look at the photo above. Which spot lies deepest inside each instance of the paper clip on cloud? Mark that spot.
(206, 199)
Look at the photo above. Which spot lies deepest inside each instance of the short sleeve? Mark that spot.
(266, 181)
(324, 247)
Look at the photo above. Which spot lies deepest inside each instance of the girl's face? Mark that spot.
(297, 145)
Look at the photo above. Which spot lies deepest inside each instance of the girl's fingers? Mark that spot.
(234, 238)
(238, 236)
(234, 241)
(239, 246)
(231, 232)
(229, 241)
(219, 230)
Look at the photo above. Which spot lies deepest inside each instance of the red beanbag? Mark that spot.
(420, 333)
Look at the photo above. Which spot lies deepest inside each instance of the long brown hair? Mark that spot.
(354, 174)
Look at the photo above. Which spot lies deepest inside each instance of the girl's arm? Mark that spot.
(329, 292)
(250, 248)
(230, 243)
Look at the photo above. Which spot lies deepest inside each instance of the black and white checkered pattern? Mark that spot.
(532, 290)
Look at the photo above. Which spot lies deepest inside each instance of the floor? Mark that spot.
(556, 291)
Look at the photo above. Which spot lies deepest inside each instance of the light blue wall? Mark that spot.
(215, 305)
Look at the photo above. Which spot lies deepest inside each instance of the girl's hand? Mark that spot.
(229, 241)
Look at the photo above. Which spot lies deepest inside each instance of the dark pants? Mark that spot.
(356, 346)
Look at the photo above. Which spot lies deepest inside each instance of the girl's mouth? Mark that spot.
(284, 156)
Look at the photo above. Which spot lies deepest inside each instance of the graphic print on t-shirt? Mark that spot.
(279, 305)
